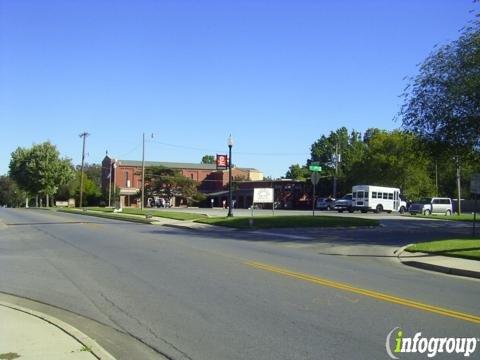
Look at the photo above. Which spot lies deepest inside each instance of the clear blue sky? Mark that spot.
(275, 74)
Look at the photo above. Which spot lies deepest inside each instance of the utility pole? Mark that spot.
(459, 187)
(337, 159)
(84, 136)
(143, 172)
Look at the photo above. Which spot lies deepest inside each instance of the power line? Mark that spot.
(217, 151)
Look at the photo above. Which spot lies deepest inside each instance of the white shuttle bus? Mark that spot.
(377, 198)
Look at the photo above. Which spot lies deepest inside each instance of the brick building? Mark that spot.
(127, 176)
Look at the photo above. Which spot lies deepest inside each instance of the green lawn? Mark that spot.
(454, 217)
(268, 222)
(465, 248)
(176, 215)
(108, 215)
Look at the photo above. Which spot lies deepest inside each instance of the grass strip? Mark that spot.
(269, 222)
(175, 215)
(453, 217)
(107, 215)
(468, 248)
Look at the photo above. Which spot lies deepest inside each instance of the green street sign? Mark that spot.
(315, 168)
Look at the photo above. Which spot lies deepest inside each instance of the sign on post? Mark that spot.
(475, 189)
(315, 178)
(315, 167)
(475, 184)
(263, 195)
(222, 162)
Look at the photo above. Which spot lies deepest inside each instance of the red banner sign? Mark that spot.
(222, 161)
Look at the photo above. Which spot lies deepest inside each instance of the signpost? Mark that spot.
(475, 189)
(315, 168)
(263, 195)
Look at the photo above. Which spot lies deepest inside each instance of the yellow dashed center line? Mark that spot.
(373, 294)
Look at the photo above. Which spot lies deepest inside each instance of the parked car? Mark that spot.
(326, 203)
(345, 203)
(435, 205)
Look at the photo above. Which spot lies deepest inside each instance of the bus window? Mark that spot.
(360, 195)
(366, 194)
(385, 195)
(390, 196)
(374, 194)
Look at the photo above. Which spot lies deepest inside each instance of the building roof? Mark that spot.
(176, 165)
(170, 165)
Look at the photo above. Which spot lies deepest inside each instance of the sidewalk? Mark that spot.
(27, 334)
(444, 264)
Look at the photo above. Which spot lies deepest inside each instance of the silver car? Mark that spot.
(428, 206)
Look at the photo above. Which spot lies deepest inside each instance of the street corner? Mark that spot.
(29, 334)
(438, 263)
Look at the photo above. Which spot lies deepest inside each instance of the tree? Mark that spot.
(169, 183)
(395, 159)
(208, 159)
(297, 172)
(10, 193)
(442, 104)
(91, 190)
(40, 170)
(337, 154)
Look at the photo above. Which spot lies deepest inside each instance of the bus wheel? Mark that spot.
(427, 212)
(379, 208)
(402, 210)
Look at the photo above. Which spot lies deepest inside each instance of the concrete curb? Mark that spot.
(442, 269)
(408, 261)
(96, 350)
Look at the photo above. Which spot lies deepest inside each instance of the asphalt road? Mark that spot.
(236, 294)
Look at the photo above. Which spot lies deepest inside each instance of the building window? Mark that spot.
(127, 180)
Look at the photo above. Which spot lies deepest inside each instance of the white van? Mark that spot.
(435, 205)
(377, 198)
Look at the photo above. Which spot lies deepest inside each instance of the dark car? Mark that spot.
(345, 203)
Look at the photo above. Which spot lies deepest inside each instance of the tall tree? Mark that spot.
(10, 193)
(169, 183)
(395, 159)
(443, 101)
(297, 172)
(337, 154)
(40, 170)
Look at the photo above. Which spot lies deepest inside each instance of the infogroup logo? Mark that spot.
(429, 346)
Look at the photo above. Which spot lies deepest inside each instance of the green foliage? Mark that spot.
(384, 158)
(442, 103)
(395, 159)
(297, 172)
(40, 170)
(351, 149)
(10, 193)
(268, 222)
(169, 183)
(91, 190)
(208, 159)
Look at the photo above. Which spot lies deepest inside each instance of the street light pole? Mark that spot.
(230, 144)
(84, 136)
(143, 172)
(112, 164)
